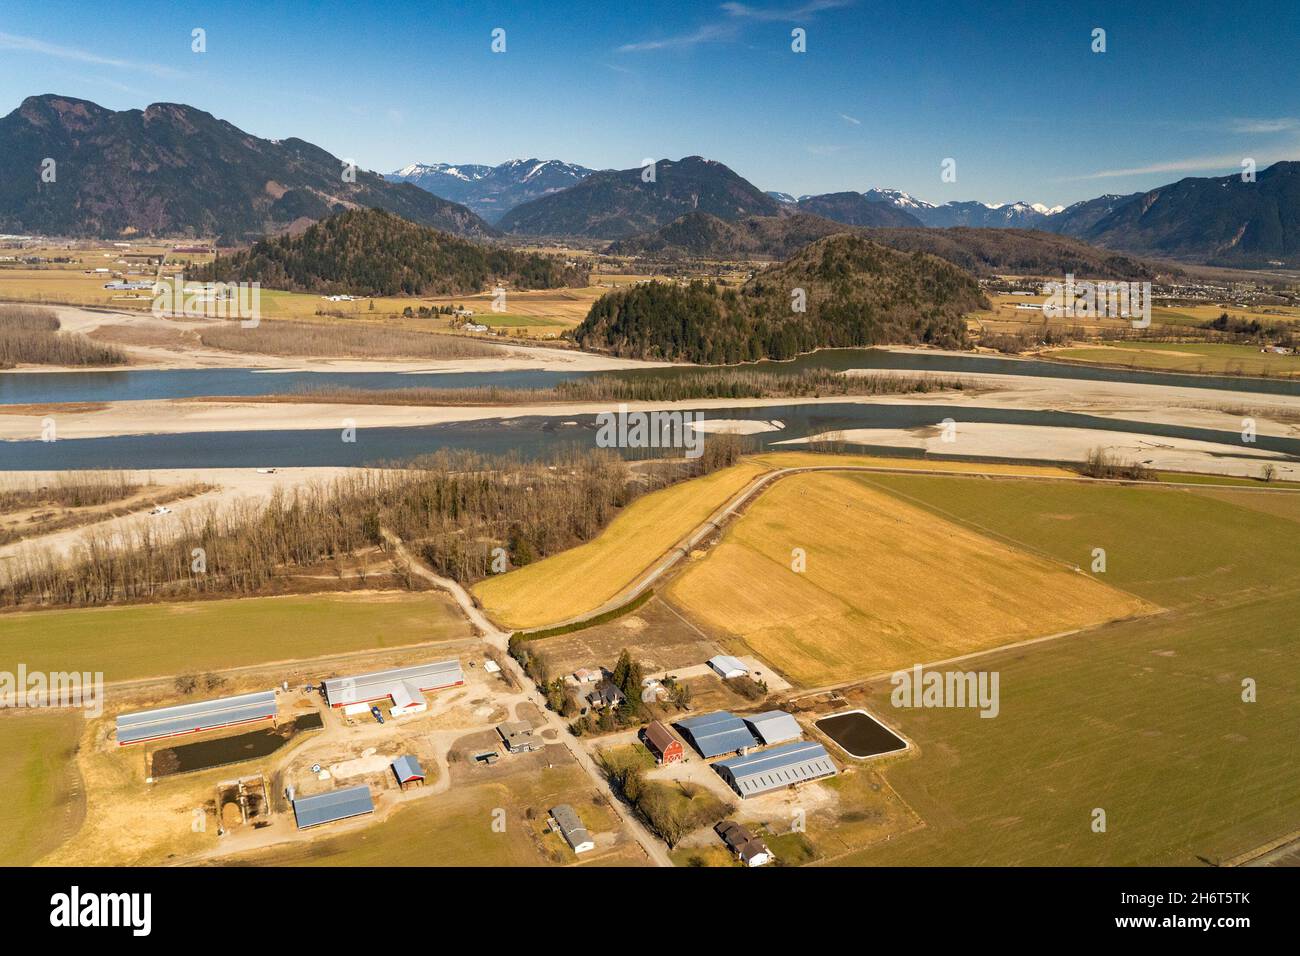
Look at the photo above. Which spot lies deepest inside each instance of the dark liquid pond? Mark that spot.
(860, 735)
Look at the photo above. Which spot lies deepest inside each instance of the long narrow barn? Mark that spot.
(192, 718)
(332, 806)
(401, 684)
(776, 768)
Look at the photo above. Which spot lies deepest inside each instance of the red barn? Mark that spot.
(662, 743)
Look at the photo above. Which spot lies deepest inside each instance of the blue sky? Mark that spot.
(883, 94)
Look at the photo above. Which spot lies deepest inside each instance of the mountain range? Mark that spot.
(492, 191)
(175, 170)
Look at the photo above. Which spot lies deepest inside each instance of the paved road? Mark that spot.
(494, 637)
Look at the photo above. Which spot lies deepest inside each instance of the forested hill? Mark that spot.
(372, 252)
(859, 293)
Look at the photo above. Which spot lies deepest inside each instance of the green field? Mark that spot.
(161, 640)
(1144, 720)
(1172, 546)
(39, 810)
(1212, 358)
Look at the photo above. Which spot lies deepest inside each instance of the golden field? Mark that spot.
(886, 585)
(583, 578)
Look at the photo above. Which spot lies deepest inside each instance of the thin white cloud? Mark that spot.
(797, 13)
(729, 29)
(1281, 124)
(850, 119)
(10, 41)
(709, 33)
(1194, 164)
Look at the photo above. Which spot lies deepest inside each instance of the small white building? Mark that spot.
(726, 666)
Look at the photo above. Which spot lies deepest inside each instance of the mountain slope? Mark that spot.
(492, 191)
(700, 235)
(613, 204)
(174, 170)
(854, 209)
(1079, 218)
(1219, 221)
(373, 252)
(858, 293)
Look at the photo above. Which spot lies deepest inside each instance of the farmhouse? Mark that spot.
(192, 718)
(748, 849)
(407, 770)
(727, 666)
(518, 737)
(662, 743)
(779, 767)
(406, 683)
(332, 806)
(774, 727)
(607, 695)
(571, 828)
(716, 734)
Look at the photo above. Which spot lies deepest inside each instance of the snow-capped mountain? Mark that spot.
(896, 197)
(785, 198)
(492, 191)
(1013, 215)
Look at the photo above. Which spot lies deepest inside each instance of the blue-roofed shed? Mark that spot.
(332, 806)
(716, 734)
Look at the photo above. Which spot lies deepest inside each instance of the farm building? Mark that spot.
(571, 828)
(332, 806)
(192, 718)
(407, 770)
(606, 695)
(774, 727)
(748, 848)
(407, 699)
(518, 737)
(662, 743)
(776, 768)
(716, 734)
(727, 666)
(407, 682)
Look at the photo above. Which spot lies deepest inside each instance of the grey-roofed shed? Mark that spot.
(192, 718)
(774, 727)
(776, 768)
(332, 806)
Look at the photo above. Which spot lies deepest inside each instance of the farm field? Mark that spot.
(886, 584)
(1208, 358)
(1143, 719)
(455, 829)
(1171, 546)
(41, 809)
(161, 640)
(583, 578)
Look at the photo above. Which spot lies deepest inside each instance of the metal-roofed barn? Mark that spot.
(364, 688)
(407, 770)
(332, 806)
(779, 767)
(726, 666)
(571, 828)
(192, 718)
(713, 735)
(774, 727)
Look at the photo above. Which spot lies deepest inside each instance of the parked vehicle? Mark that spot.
(376, 714)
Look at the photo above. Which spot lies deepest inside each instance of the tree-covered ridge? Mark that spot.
(858, 293)
(373, 252)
